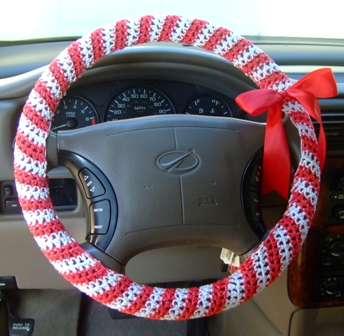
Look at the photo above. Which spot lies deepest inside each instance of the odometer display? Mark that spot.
(138, 102)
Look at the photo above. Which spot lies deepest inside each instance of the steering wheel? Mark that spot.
(160, 181)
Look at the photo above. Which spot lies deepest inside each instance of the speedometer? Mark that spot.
(138, 102)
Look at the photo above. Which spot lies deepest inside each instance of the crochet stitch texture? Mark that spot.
(88, 274)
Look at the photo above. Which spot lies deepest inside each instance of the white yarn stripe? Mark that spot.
(109, 36)
(86, 50)
(285, 248)
(178, 304)
(297, 214)
(97, 287)
(261, 267)
(227, 44)
(27, 164)
(31, 131)
(265, 71)
(305, 130)
(180, 29)
(52, 83)
(127, 297)
(236, 290)
(280, 87)
(54, 240)
(74, 264)
(152, 303)
(310, 161)
(157, 25)
(133, 31)
(66, 64)
(207, 33)
(204, 300)
(36, 101)
(247, 56)
(292, 106)
(27, 191)
(39, 217)
(303, 187)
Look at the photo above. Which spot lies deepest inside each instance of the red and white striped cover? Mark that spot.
(80, 268)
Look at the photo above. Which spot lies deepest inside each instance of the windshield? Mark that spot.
(22, 19)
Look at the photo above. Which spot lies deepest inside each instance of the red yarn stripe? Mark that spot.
(35, 204)
(46, 94)
(254, 63)
(294, 234)
(274, 258)
(220, 294)
(145, 29)
(74, 52)
(193, 33)
(165, 304)
(140, 301)
(250, 279)
(251, 69)
(97, 43)
(34, 180)
(30, 149)
(114, 292)
(304, 203)
(87, 275)
(313, 179)
(272, 80)
(216, 39)
(121, 34)
(60, 253)
(309, 144)
(301, 118)
(59, 73)
(191, 304)
(53, 226)
(36, 117)
(237, 49)
(171, 22)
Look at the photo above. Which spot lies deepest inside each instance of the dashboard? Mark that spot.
(162, 80)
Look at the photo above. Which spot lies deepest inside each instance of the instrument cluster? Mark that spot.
(112, 101)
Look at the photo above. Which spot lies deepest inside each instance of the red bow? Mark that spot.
(276, 163)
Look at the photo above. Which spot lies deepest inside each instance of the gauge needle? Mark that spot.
(58, 127)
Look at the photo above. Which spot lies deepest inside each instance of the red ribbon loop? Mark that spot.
(276, 163)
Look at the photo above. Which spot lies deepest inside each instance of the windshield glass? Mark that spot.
(22, 19)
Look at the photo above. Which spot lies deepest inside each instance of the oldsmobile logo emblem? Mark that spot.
(178, 162)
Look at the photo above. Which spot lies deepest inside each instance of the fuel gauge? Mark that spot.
(74, 112)
(209, 106)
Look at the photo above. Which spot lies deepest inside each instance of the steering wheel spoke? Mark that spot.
(162, 182)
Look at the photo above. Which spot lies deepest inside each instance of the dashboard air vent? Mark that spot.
(332, 112)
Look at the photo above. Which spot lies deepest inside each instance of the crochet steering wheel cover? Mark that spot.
(86, 273)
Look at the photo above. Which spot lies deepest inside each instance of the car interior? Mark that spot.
(156, 170)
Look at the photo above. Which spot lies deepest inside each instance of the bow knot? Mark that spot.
(276, 160)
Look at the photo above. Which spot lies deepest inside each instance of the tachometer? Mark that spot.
(208, 105)
(138, 102)
(74, 112)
